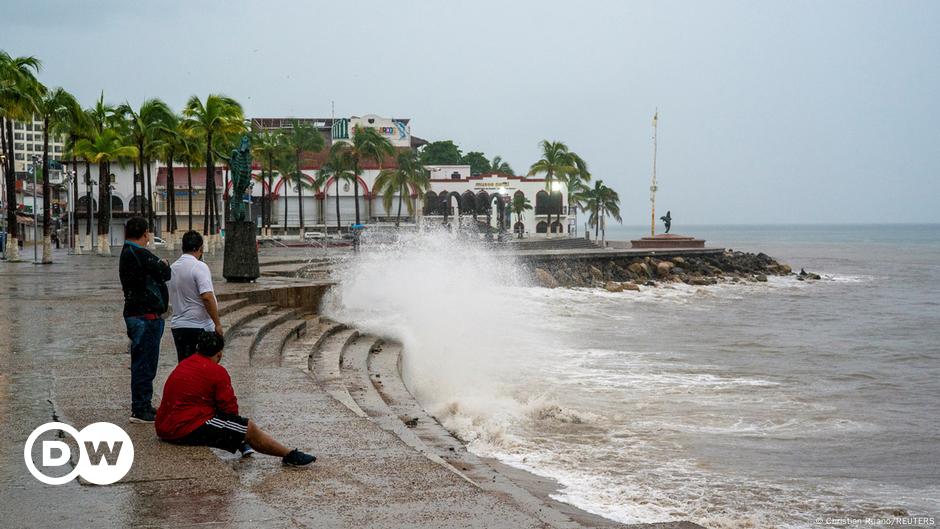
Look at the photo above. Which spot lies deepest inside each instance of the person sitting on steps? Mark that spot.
(199, 408)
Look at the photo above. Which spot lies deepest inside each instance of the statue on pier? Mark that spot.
(240, 264)
(667, 220)
(239, 164)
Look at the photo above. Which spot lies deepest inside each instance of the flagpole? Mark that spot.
(653, 184)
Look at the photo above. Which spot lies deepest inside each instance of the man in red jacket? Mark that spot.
(199, 408)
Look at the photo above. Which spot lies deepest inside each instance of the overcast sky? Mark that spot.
(770, 112)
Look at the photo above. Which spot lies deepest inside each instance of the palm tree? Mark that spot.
(300, 138)
(367, 144)
(75, 127)
(557, 162)
(98, 118)
(602, 202)
(498, 165)
(143, 127)
(339, 166)
(410, 175)
(103, 148)
(284, 165)
(519, 206)
(54, 108)
(217, 116)
(17, 90)
(267, 146)
(191, 152)
(170, 147)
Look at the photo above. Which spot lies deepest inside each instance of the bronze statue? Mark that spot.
(667, 220)
(239, 164)
(240, 263)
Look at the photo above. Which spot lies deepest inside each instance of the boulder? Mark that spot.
(613, 286)
(761, 278)
(640, 269)
(596, 273)
(545, 279)
(701, 281)
(678, 261)
(663, 268)
(785, 269)
(630, 286)
(676, 270)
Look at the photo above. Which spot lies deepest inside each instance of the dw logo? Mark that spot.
(106, 453)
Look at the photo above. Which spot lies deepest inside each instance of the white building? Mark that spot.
(455, 197)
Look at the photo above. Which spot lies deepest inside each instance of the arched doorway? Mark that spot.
(138, 203)
(82, 205)
(518, 228)
(431, 203)
(541, 227)
(116, 203)
(556, 227)
(468, 204)
(541, 203)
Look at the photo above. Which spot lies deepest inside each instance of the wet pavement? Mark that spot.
(63, 357)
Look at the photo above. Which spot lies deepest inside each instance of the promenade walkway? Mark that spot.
(309, 382)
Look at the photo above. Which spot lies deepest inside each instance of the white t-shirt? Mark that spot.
(190, 277)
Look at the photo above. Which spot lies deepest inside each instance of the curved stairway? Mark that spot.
(303, 359)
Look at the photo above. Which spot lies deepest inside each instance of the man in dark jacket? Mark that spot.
(143, 279)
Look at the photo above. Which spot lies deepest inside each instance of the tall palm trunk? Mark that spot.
(300, 203)
(73, 223)
(12, 243)
(270, 193)
(548, 182)
(151, 218)
(339, 225)
(263, 205)
(170, 199)
(210, 174)
(398, 217)
(104, 208)
(189, 186)
(356, 190)
(46, 197)
(88, 202)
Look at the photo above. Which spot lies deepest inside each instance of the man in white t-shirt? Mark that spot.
(195, 308)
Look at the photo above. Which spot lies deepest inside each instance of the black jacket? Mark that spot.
(143, 279)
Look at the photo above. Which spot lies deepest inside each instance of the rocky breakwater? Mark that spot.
(617, 274)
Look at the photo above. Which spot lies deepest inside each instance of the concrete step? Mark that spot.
(277, 318)
(268, 350)
(227, 307)
(240, 341)
(238, 317)
(383, 375)
(326, 362)
(298, 353)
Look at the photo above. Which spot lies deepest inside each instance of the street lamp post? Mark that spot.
(110, 211)
(91, 209)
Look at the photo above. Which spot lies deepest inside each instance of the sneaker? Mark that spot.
(143, 417)
(246, 450)
(296, 458)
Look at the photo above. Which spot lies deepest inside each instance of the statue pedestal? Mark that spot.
(667, 240)
(240, 262)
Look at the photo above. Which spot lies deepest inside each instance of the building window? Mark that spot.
(18, 125)
(18, 136)
(18, 146)
(58, 148)
(29, 126)
(19, 156)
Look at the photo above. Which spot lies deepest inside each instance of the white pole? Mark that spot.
(653, 185)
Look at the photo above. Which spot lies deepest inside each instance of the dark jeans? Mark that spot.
(185, 340)
(145, 338)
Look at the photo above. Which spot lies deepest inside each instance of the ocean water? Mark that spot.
(781, 404)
